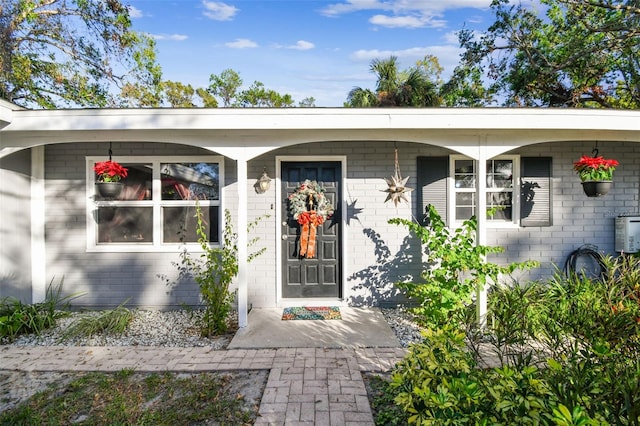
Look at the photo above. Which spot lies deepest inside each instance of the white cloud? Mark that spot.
(241, 43)
(172, 37)
(134, 12)
(219, 11)
(407, 21)
(302, 45)
(403, 6)
(404, 13)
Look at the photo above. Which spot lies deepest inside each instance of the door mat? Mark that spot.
(311, 313)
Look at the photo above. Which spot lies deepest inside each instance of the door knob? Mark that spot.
(284, 223)
(285, 237)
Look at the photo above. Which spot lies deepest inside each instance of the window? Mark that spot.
(157, 205)
(519, 187)
(499, 194)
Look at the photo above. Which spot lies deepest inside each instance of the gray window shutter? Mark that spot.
(535, 191)
(432, 186)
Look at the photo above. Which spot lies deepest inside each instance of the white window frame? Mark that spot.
(491, 223)
(156, 203)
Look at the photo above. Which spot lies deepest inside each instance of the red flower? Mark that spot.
(110, 171)
(595, 168)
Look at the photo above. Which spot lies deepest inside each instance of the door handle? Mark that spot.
(285, 237)
(284, 223)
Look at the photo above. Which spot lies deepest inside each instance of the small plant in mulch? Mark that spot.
(17, 318)
(112, 321)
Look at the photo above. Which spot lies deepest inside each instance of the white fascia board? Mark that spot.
(321, 118)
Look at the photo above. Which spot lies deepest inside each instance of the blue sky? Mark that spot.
(305, 48)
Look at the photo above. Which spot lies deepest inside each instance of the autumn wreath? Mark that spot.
(309, 206)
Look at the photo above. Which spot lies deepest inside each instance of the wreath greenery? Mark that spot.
(299, 201)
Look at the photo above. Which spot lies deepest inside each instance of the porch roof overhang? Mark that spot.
(247, 133)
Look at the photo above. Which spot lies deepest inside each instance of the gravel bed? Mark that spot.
(148, 328)
(179, 329)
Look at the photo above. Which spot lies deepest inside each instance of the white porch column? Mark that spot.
(243, 240)
(481, 214)
(38, 261)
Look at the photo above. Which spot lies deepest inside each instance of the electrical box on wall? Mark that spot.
(628, 234)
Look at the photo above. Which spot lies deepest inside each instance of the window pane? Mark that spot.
(179, 224)
(190, 181)
(499, 174)
(137, 184)
(125, 224)
(502, 201)
(465, 205)
(464, 174)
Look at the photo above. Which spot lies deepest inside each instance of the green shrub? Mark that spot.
(18, 318)
(456, 268)
(569, 355)
(516, 396)
(214, 272)
(437, 381)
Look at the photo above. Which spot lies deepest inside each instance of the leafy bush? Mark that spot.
(18, 318)
(569, 354)
(214, 272)
(436, 381)
(439, 383)
(456, 268)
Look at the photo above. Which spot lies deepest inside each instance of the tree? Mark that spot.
(225, 86)
(308, 102)
(258, 96)
(578, 54)
(208, 100)
(178, 95)
(56, 53)
(412, 87)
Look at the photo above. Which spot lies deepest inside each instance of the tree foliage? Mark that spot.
(226, 86)
(569, 53)
(56, 53)
(412, 87)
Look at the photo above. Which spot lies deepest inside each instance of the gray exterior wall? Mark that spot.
(377, 254)
(108, 279)
(15, 226)
(577, 219)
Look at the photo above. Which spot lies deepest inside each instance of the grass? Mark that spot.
(114, 321)
(130, 398)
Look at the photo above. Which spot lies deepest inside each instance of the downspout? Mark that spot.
(481, 232)
(243, 240)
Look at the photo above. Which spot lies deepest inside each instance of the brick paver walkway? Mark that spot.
(306, 386)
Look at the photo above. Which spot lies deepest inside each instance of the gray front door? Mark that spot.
(319, 276)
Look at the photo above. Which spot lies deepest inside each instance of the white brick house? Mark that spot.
(52, 225)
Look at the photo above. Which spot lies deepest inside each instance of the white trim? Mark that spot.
(156, 204)
(243, 239)
(281, 302)
(38, 208)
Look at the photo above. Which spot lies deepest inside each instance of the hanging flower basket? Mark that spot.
(109, 190)
(109, 174)
(597, 188)
(596, 174)
(309, 207)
